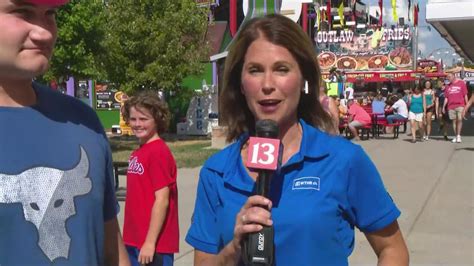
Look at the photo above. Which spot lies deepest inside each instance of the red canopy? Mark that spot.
(382, 76)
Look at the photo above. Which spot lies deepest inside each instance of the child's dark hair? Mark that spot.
(150, 101)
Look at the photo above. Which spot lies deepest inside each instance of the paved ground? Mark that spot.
(432, 184)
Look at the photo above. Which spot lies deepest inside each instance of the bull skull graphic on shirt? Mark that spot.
(47, 196)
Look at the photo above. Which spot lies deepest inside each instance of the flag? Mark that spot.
(318, 18)
(340, 12)
(328, 13)
(394, 10)
(409, 9)
(381, 12)
(367, 11)
(353, 7)
(416, 9)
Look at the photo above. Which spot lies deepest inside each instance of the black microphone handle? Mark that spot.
(263, 183)
(258, 247)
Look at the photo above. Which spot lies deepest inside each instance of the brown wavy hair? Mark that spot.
(281, 31)
(150, 101)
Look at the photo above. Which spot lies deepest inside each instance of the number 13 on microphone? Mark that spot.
(263, 153)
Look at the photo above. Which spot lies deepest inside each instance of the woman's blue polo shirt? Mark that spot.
(318, 196)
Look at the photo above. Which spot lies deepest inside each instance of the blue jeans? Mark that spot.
(159, 259)
(394, 117)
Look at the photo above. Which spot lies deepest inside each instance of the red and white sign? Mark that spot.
(263, 153)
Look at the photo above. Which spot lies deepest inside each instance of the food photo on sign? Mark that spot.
(326, 60)
(347, 63)
(377, 62)
(400, 57)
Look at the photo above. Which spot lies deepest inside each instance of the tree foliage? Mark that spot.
(80, 34)
(154, 44)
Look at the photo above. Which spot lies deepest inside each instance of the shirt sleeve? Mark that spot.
(371, 206)
(111, 206)
(162, 168)
(203, 234)
(351, 110)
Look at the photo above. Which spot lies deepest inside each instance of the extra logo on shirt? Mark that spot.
(307, 182)
(135, 167)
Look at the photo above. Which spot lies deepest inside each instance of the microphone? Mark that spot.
(263, 153)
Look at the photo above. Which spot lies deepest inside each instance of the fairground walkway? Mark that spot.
(431, 182)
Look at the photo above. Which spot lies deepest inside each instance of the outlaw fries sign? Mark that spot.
(366, 49)
(396, 34)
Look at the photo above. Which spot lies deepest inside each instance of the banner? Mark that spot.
(428, 66)
(382, 76)
(366, 49)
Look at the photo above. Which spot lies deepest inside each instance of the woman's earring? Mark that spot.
(306, 87)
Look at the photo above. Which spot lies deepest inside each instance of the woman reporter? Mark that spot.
(264, 78)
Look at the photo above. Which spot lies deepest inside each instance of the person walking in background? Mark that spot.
(417, 111)
(332, 82)
(455, 101)
(151, 230)
(57, 198)
(468, 105)
(264, 77)
(429, 95)
(329, 105)
(441, 113)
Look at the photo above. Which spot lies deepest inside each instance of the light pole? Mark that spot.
(417, 32)
(444, 54)
(416, 52)
(461, 74)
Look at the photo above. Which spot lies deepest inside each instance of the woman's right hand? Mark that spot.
(252, 216)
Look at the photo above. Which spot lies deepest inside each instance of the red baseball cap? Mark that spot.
(48, 2)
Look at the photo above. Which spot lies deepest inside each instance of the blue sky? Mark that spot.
(428, 41)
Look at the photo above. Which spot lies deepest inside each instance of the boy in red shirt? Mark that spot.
(151, 231)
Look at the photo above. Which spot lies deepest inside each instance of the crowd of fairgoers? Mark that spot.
(370, 114)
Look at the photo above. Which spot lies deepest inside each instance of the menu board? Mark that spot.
(428, 66)
(107, 97)
(366, 49)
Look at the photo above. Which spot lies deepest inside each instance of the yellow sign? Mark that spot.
(125, 129)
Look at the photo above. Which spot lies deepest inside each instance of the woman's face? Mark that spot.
(271, 82)
(427, 84)
(27, 36)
